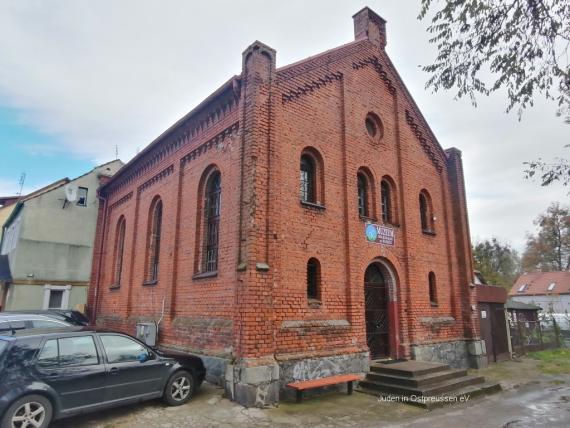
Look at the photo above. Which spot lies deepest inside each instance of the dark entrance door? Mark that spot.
(494, 331)
(376, 312)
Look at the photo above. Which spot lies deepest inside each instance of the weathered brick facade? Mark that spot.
(252, 315)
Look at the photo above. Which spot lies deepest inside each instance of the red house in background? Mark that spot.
(299, 222)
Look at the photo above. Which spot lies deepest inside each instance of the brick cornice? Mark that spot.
(310, 87)
(185, 133)
(155, 179)
(120, 201)
(211, 143)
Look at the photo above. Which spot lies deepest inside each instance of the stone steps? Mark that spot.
(424, 384)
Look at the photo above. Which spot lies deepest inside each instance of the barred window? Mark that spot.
(119, 249)
(154, 241)
(386, 202)
(362, 195)
(308, 179)
(211, 223)
(432, 289)
(313, 279)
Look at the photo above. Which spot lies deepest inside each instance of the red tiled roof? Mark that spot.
(537, 283)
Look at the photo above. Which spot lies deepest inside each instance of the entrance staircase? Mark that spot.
(424, 384)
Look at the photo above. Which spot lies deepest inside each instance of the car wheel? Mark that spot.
(31, 411)
(179, 388)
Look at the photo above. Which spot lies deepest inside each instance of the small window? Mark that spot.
(432, 289)
(121, 349)
(77, 351)
(374, 126)
(55, 299)
(426, 213)
(386, 195)
(82, 196)
(313, 279)
(362, 195)
(551, 286)
(522, 288)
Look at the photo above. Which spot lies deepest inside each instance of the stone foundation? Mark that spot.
(459, 354)
(252, 383)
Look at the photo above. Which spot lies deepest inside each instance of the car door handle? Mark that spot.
(114, 371)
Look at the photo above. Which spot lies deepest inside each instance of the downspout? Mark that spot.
(99, 261)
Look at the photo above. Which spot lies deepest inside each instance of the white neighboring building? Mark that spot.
(549, 290)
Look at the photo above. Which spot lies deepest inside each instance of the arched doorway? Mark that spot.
(376, 307)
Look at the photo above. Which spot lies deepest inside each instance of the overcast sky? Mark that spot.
(79, 77)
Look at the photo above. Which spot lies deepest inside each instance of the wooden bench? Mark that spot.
(302, 385)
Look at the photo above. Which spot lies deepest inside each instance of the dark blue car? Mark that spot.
(51, 374)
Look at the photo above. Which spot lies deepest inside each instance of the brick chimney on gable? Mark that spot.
(369, 25)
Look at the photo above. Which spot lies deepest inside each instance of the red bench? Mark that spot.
(302, 385)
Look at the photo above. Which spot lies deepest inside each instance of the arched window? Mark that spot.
(386, 195)
(432, 289)
(311, 182)
(212, 199)
(119, 249)
(363, 195)
(313, 279)
(308, 179)
(155, 231)
(426, 213)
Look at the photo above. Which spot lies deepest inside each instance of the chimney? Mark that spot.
(369, 25)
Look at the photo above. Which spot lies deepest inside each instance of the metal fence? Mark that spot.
(528, 336)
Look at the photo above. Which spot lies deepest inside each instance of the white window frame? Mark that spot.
(551, 286)
(84, 204)
(64, 299)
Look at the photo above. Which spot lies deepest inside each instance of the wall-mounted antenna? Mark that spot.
(21, 183)
(116, 152)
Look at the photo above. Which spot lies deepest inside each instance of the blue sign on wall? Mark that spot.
(379, 234)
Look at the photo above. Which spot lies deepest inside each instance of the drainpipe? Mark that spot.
(508, 332)
(99, 261)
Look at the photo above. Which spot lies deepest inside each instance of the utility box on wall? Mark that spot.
(146, 332)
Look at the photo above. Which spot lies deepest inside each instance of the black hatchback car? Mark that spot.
(50, 374)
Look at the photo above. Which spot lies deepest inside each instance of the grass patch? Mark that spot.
(553, 361)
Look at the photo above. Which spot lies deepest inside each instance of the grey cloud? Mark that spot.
(96, 74)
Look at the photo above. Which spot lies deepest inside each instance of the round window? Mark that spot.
(373, 126)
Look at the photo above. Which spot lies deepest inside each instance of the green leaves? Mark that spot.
(485, 45)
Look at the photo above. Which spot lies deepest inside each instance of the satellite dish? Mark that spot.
(71, 192)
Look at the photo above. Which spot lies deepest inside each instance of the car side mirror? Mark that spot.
(143, 357)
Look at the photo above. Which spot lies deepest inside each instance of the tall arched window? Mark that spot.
(386, 195)
(363, 195)
(119, 249)
(308, 179)
(432, 289)
(212, 200)
(155, 231)
(313, 279)
(426, 213)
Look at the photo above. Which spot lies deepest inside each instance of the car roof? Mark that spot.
(14, 316)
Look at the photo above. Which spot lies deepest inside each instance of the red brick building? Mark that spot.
(298, 222)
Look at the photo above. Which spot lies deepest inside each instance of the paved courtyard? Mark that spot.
(531, 399)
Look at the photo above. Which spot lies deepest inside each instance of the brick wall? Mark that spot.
(254, 130)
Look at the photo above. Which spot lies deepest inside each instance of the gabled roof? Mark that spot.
(540, 283)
